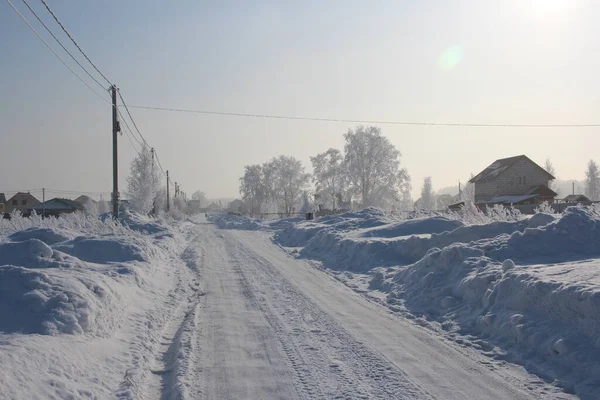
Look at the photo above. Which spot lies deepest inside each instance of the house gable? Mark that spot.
(512, 176)
(20, 201)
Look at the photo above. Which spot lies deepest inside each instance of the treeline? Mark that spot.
(366, 173)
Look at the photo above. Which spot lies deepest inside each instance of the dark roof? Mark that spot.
(58, 204)
(24, 194)
(498, 167)
(2, 198)
(543, 191)
(576, 197)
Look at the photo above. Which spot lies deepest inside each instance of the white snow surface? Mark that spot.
(195, 309)
(526, 292)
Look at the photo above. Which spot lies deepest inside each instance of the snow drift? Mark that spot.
(53, 281)
(527, 290)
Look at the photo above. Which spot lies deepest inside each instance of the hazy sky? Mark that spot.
(509, 61)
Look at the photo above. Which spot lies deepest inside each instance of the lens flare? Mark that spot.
(450, 58)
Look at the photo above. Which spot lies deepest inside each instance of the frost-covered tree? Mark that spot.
(199, 195)
(289, 182)
(467, 194)
(427, 195)
(406, 201)
(306, 203)
(592, 181)
(328, 176)
(372, 165)
(549, 167)
(143, 182)
(252, 188)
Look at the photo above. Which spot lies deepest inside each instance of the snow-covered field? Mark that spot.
(359, 305)
(525, 291)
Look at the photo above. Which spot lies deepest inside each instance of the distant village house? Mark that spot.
(513, 181)
(55, 207)
(20, 201)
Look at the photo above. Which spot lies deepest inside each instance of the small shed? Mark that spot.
(57, 206)
(576, 199)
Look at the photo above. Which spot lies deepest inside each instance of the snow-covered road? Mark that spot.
(264, 325)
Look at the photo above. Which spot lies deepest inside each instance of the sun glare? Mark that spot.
(548, 8)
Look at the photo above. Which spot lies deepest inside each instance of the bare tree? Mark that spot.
(143, 182)
(372, 165)
(427, 196)
(328, 175)
(592, 181)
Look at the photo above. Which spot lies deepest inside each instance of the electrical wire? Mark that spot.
(360, 121)
(55, 53)
(74, 42)
(158, 162)
(131, 117)
(61, 45)
(128, 134)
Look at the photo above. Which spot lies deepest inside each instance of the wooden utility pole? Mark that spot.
(115, 131)
(43, 203)
(168, 200)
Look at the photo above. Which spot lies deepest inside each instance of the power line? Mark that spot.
(61, 45)
(158, 162)
(138, 130)
(129, 135)
(74, 42)
(132, 120)
(360, 121)
(54, 52)
(130, 131)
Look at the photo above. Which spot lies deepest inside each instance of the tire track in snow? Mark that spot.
(319, 349)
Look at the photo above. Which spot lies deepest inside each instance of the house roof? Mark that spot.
(2, 198)
(576, 197)
(543, 191)
(23, 194)
(58, 204)
(83, 200)
(498, 167)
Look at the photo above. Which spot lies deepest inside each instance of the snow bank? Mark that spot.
(299, 234)
(48, 302)
(415, 226)
(62, 278)
(542, 311)
(226, 221)
(345, 242)
(102, 250)
(522, 290)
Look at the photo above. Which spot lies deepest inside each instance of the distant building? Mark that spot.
(2, 202)
(444, 201)
(193, 206)
(22, 202)
(576, 199)
(57, 206)
(236, 206)
(85, 200)
(513, 180)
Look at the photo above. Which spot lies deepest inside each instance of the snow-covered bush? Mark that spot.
(545, 208)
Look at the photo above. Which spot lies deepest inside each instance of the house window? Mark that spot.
(520, 180)
(24, 202)
(15, 202)
(524, 182)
